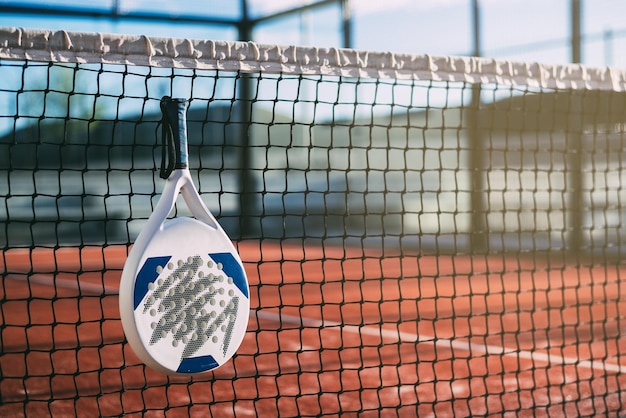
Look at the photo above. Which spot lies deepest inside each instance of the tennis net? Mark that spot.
(423, 235)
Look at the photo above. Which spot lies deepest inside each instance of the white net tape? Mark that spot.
(63, 46)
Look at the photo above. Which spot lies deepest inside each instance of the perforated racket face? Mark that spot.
(190, 298)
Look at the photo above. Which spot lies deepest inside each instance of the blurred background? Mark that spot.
(47, 112)
(548, 31)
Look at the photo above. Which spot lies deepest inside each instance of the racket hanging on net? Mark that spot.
(184, 296)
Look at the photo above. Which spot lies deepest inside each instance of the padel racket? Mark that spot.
(184, 296)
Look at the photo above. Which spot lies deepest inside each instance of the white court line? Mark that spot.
(408, 337)
(84, 287)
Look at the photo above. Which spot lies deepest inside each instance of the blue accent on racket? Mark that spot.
(233, 269)
(147, 274)
(195, 364)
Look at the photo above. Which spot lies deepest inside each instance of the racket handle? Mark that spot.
(174, 137)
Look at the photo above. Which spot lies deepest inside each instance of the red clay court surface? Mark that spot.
(333, 331)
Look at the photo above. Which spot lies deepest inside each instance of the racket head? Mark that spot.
(187, 302)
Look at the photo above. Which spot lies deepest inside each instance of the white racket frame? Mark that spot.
(178, 183)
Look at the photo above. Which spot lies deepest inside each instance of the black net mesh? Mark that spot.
(413, 247)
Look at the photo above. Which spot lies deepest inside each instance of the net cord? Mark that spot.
(101, 48)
